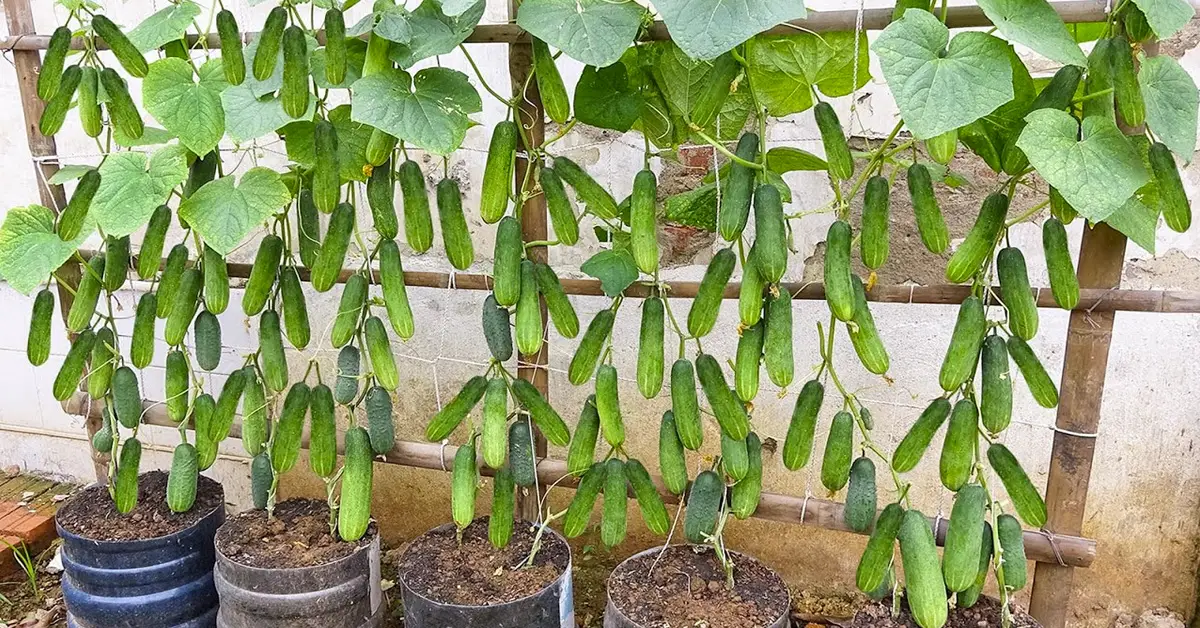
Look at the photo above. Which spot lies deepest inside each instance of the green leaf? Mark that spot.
(248, 118)
(435, 33)
(604, 98)
(391, 23)
(1137, 221)
(732, 117)
(352, 143)
(224, 213)
(164, 26)
(29, 248)
(694, 208)
(132, 186)
(684, 82)
(1166, 17)
(192, 110)
(69, 172)
(1171, 103)
(1087, 31)
(593, 32)
(614, 268)
(428, 111)
(706, 29)
(1097, 174)
(783, 159)
(939, 89)
(356, 54)
(1035, 24)
(989, 135)
(151, 136)
(786, 68)
(455, 8)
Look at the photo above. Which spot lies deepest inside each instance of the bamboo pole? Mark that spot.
(821, 513)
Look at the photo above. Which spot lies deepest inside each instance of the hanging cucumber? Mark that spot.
(455, 236)
(748, 364)
(350, 309)
(116, 262)
(335, 48)
(270, 351)
(1036, 378)
(876, 562)
(529, 329)
(149, 256)
(550, 83)
(381, 426)
(839, 446)
(494, 437)
(379, 352)
(294, 95)
(500, 523)
(418, 220)
(71, 371)
(254, 414)
(121, 111)
(333, 250)
(453, 413)
(520, 453)
(326, 176)
(216, 281)
(125, 486)
(579, 512)
(285, 441)
(930, 223)
(543, 414)
(777, 341)
(643, 224)
(559, 207)
(597, 199)
(354, 511)
(685, 406)
(562, 313)
(121, 47)
(498, 172)
(912, 447)
(980, 241)
(650, 503)
(55, 113)
(707, 303)
(1176, 209)
(874, 236)
(770, 233)
(616, 496)
(1021, 492)
(127, 398)
(729, 412)
(924, 585)
(87, 295)
(960, 563)
(70, 221)
(744, 497)
(1099, 86)
(1060, 208)
(735, 201)
(295, 311)
(958, 449)
(186, 302)
(1061, 268)
(839, 289)
(90, 117)
(270, 41)
(395, 293)
(308, 228)
(861, 499)
(583, 363)
(963, 353)
(497, 330)
(750, 294)
(969, 597)
(322, 431)
(177, 386)
(37, 347)
(650, 348)
(261, 478)
(1016, 293)
(349, 365)
(863, 335)
(1012, 548)
(837, 151)
(672, 462)
(262, 274)
(995, 401)
(608, 405)
(381, 196)
(1127, 91)
(506, 268)
(104, 356)
(735, 460)
(703, 507)
(797, 447)
(51, 74)
(233, 60)
(583, 443)
(942, 147)
(172, 276)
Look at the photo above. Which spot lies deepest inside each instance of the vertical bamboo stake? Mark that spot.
(28, 64)
(533, 227)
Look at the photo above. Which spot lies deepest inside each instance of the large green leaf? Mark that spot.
(1166, 17)
(428, 111)
(687, 83)
(455, 8)
(706, 29)
(352, 143)
(248, 118)
(605, 98)
(164, 26)
(29, 248)
(151, 136)
(435, 33)
(224, 213)
(594, 32)
(1035, 24)
(614, 268)
(783, 159)
(1137, 221)
(188, 108)
(392, 24)
(784, 69)
(989, 135)
(1171, 103)
(132, 186)
(939, 89)
(1097, 174)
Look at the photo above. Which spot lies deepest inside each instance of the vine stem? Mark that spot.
(725, 151)
(1027, 214)
(507, 101)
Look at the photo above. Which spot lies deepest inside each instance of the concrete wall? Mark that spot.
(1145, 486)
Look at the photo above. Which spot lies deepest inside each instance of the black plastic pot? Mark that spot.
(615, 618)
(165, 582)
(552, 607)
(342, 594)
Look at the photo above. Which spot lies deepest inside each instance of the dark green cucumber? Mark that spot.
(270, 41)
(70, 221)
(121, 47)
(103, 363)
(744, 498)
(379, 352)
(650, 503)
(354, 511)
(285, 441)
(1012, 548)
(395, 293)
(125, 486)
(579, 512)
(876, 561)
(608, 405)
(172, 276)
(141, 346)
(839, 446)
(559, 307)
(597, 199)
(797, 447)
(37, 347)
(980, 241)
(497, 329)
(453, 413)
(349, 365)
(912, 447)
(616, 497)
(1021, 492)
(750, 294)
(500, 523)
(381, 425)
(543, 414)
(127, 398)
(735, 460)
(1016, 293)
(550, 84)
(333, 250)
(184, 307)
(262, 274)
(294, 95)
(1033, 372)
(559, 207)
(777, 342)
(87, 295)
(876, 208)
(770, 233)
(122, 112)
(455, 236)
(308, 228)
(335, 48)
(651, 362)
(418, 220)
(672, 463)
(583, 363)
(735, 201)
(326, 178)
(703, 506)
(529, 329)
(729, 412)
(839, 289)
(149, 256)
(960, 564)
(71, 371)
(350, 310)
(685, 406)
(55, 113)
(583, 443)
(381, 196)
(295, 310)
(498, 172)
(995, 401)
(177, 386)
(861, 498)
(1064, 285)
(924, 585)
(233, 60)
(958, 449)
(520, 453)
(90, 117)
(749, 362)
(837, 151)
(707, 303)
(51, 74)
(643, 222)
(270, 351)
(863, 334)
(506, 265)
(1176, 209)
(254, 413)
(930, 223)
(963, 352)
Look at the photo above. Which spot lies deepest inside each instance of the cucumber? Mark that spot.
(270, 351)
(942, 147)
(583, 363)
(960, 564)
(127, 398)
(1127, 91)
(735, 460)
(227, 405)
(559, 207)
(1060, 91)
(87, 295)
(294, 94)
(262, 274)
(707, 303)
(1176, 209)
(126, 53)
(924, 585)
(453, 413)
(839, 289)
(51, 74)
(703, 507)
(797, 447)
(770, 233)
(562, 313)
(912, 447)
(546, 417)
(125, 486)
(498, 172)
(269, 42)
(995, 402)
(777, 342)
(1137, 28)
(550, 83)
(930, 224)
(350, 309)
(968, 598)
(354, 511)
(418, 221)
(744, 497)
(90, 117)
(1060, 208)
(729, 412)
(285, 441)
(963, 351)
(495, 423)
(497, 330)
(874, 236)
(183, 309)
(597, 199)
(876, 562)
(295, 311)
(1063, 283)
(216, 281)
(837, 151)
(345, 391)
(530, 332)
(1024, 496)
(521, 458)
(308, 228)
(322, 431)
(1016, 293)
(583, 444)
(861, 499)
(735, 202)
(202, 413)
(261, 478)
(608, 405)
(616, 496)
(579, 512)
(55, 113)
(335, 49)
(102, 440)
(379, 352)
(506, 269)
(104, 357)
(958, 449)
(37, 347)
(380, 425)
(1040, 385)
(748, 364)
(835, 466)
(672, 463)
(381, 196)
(455, 236)
(865, 414)
(863, 335)
(750, 294)
(643, 224)
(150, 254)
(233, 61)
(121, 110)
(254, 414)
(654, 512)
(980, 241)
(1012, 548)
(207, 335)
(395, 293)
(500, 523)
(71, 371)
(380, 147)
(70, 221)
(177, 385)
(202, 171)
(332, 256)
(685, 405)
(651, 362)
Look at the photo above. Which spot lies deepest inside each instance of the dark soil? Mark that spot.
(687, 588)
(474, 573)
(91, 513)
(298, 536)
(985, 614)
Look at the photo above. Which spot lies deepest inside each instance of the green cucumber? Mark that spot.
(1128, 93)
(1021, 492)
(861, 498)
(494, 437)
(37, 347)
(839, 289)
(651, 362)
(579, 512)
(543, 414)
(125, 486)
(616, 497)
(521, 458)
(930, 224)
(735, 201)
(839, 446)
(308, 227)
(51, 74)
(980, 240)
(942, 147)
(262, 274)
(55, 113)
(1064, 285)
(500, 523)
(455, 236)
(1033, 372)
(650, 503)
(729, 412)
(1016, 293)
(381, 197)
(379, 352)
(550, 83)
(270, 40)
(285, 441)
(876, 562)
(559, 207)
(498, 172)
(874, 236)
(121, 111)
(350, 310)
(453, 413)
(559, 307)
(261, 479)
(672, 463)
(270, 351)
(608, 405)
(295, 310)
(597, 199)
(233, 60)
(777, 341)
(748, 364)
(87, 295)
(837, 151)
(735, 460)
(912, 447)
(797, 447)
(122, 48)
(1176, 209)
(995, 401)
(103, 363)
(395, 293)
(960, 564)
(354, 511)
(332, 256)
(70, 221)
(703, 507)
(349, 364)
(583, 443)
(583, 363)
(71, 371)
(958, 449)
(506, 268)
(924, 585)
(141, 346)
(254, 414)
(1012, 548)
(770, 233)
(529, 329)
(744, 498)
(963, 352)
(177, 386)
(418, 220)
(335, 48)
(497, 330)
(322, 431)
(685, 406)
(150, 255)
(863, 334)
(184, 306)
(750, 294)
(294, 94)
(90, 117)
(643, 224)
(707, 303)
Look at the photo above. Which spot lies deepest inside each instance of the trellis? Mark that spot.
(1057, 549)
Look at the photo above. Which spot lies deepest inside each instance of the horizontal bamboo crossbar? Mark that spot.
(822, 513)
